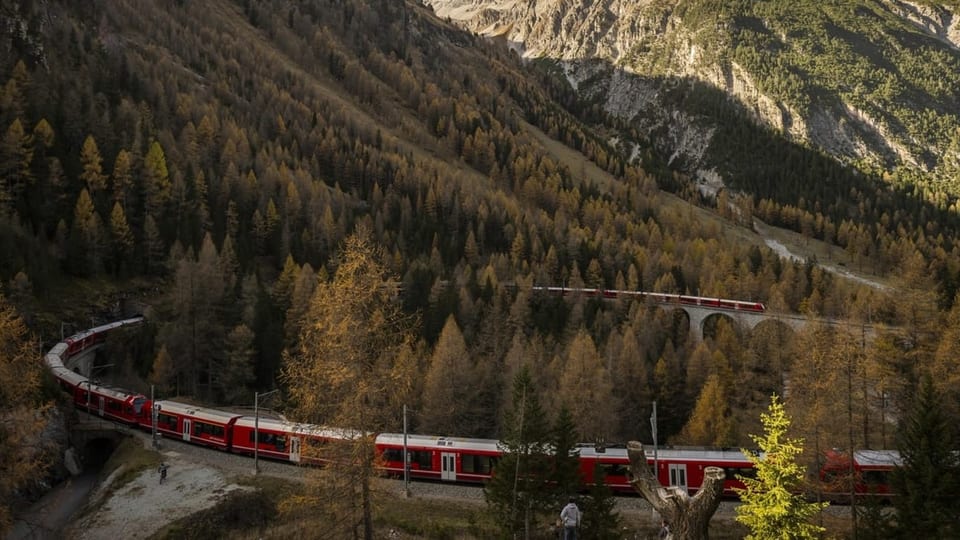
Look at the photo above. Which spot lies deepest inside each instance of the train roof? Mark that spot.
(440, 443)
(309, 430)
(70, 377)
(667, 454)
(878, 458)
(121, 394)
(102, 328)
(200, 413)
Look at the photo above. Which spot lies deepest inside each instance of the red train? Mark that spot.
(451, 459)
(870, 472)
(660, 298)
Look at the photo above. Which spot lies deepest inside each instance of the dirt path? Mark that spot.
(143, 506)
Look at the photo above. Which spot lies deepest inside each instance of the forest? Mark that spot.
(207, 162)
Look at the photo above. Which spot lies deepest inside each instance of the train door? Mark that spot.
(295, 449)
(186, 429)
(448, 466)
(678, 475)
(100, 404)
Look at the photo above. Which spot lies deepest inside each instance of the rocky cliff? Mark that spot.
(628, 54)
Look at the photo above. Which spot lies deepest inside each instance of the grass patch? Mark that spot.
(134, 459)
(435, 519)
(239, 511)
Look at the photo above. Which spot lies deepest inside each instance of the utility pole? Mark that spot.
(256, 428)
(653, 428)
(154, 411)
(406, 460)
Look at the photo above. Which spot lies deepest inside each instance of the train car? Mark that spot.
(82, 341)
(106, 401)
(871, 472)
(198, 425)
(288, 441)
(684, 467)
(679, 467)
(613, 461)
(451, 459)
(66, 378)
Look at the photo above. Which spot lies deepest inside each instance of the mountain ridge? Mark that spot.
(755, 55)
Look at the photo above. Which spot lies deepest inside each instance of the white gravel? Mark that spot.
(143, 506)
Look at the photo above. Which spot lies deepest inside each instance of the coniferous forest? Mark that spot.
(206, 161)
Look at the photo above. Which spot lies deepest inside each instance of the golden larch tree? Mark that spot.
(352, 368)
(22, 411)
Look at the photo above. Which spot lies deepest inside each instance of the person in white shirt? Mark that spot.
(570, 518)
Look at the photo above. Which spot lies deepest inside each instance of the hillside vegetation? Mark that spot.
(210, 158)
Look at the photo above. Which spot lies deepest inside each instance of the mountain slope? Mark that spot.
(875, 83)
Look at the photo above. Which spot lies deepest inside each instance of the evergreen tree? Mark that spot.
(92, 165)
(156, 182)
(926, 484)
(85, 246)
(771, 505)
(600, 519)
(122, 237)
(237, 378)
(566, 467)
(518, 494)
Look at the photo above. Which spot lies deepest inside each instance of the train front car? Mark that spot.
(451, 459)
(111, 403)
(197, 425)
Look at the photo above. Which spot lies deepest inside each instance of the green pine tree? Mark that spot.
(927, 481)
(519, 494)
(600, 519)
(771, 505)
(566, 466)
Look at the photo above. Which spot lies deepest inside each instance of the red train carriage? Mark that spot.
(679, 467)
(68, 379)
(210, 427)
(871, 469)
(81, 341)
(283, 440)
(452, 459)
(108, 402)
(684, 467)
(613, 461)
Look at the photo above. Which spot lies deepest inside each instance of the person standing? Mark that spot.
(162, 469)
(570, 518)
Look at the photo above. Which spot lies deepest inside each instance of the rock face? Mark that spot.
(623, 52)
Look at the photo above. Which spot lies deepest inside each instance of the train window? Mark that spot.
(424, 459)
(277, 441)
(477, 464)
(614, 469)
(200, 428)
(166, 421)
(393, 454)
(875, 478)
(114, 406)
(734, 473)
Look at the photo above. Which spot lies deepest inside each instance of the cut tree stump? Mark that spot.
(688, 517)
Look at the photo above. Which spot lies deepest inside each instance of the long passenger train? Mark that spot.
(659, 298)
(440, 458)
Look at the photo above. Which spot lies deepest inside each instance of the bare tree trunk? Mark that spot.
(688, 517)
